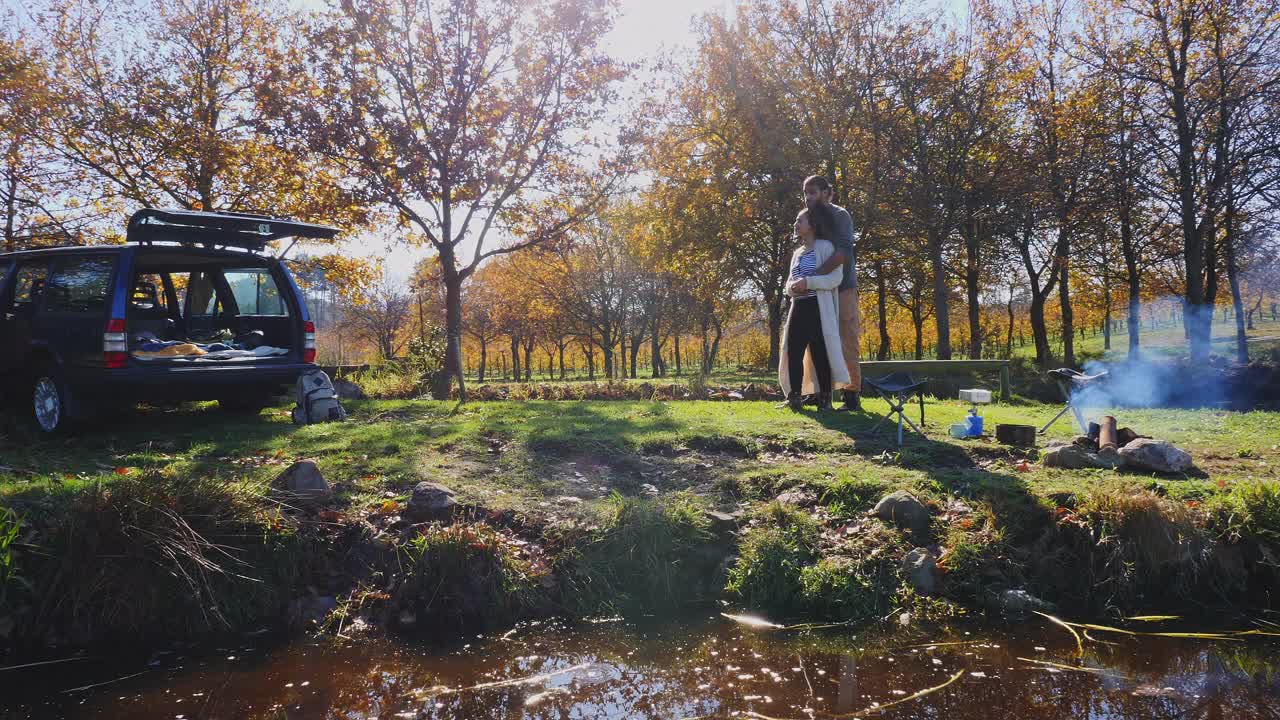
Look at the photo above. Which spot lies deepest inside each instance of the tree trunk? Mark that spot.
(711, 350)
(679, 369)
(973, 260)
(882, 311)
(1233, 279)
(655, 350)
(453, 324)
(1040, 331)
(775, 336)
(1008, 338)
(917, 320)
(606, 351)
(941, 301)
(1064, 300)
(528, 359)
(1135, 295)
(484, 353)
(635, 352)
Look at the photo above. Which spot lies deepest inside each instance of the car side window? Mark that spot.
(79, 285)
(256, 292)
(29, 283)
(197, 294)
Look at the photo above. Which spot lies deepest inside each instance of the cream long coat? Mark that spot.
(829, 313)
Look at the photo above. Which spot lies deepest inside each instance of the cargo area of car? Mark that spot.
(186, 306)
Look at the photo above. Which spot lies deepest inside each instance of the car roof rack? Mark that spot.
(218, 229)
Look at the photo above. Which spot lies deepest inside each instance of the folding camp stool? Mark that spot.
(1071, 382)
(897, 389)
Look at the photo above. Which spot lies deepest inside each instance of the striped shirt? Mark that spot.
(802, 266)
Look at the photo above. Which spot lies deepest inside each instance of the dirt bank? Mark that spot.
(163, 557)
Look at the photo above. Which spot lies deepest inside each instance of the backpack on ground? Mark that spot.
(317, 400)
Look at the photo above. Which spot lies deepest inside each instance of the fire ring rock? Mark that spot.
(302, 483)
(921, 569)
(902, 509)
(430, 501)
(1072, 457)
(1157, 455)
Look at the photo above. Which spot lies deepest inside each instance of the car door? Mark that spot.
(7, 350)
(75, 307)
(18, 304)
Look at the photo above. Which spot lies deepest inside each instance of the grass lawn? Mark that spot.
(169, 500)
(519, 454)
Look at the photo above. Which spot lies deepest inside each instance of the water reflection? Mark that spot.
(704, 668)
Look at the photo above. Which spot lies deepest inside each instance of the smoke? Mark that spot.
(1152, 384)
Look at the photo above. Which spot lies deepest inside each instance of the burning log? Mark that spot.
(1107, 433)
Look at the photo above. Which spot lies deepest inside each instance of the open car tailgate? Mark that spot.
(242, 230)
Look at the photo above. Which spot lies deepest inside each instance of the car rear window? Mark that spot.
(79, 285)
(256, 292)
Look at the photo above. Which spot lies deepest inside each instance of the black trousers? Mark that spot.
(805, 333)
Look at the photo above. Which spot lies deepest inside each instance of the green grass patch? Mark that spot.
(467, 575)
(772, 558)
(643, 555)
(154, 554)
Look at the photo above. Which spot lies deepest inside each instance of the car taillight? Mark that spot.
(115, 344)
(308, 342)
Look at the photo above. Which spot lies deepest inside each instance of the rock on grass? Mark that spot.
(302, 483)
(1157, 455)
(430, 501)
(902, 509)
(921, 567)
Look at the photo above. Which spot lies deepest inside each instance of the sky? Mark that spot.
(644, 28)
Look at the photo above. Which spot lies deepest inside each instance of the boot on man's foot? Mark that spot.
(852, 402)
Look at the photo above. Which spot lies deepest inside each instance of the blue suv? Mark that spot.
(191, 307)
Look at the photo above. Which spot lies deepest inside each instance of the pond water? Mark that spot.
(688, 668)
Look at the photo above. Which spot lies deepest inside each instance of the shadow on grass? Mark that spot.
(380, 440)
(950, 469)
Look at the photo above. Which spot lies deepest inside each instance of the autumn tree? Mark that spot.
(160, 104)
(470, 120)
(1199, 63)
(728, 165)
(381, 317)
(35, 191)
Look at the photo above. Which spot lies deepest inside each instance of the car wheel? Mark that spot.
(50, 402)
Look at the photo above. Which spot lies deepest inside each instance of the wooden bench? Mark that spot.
(929, 368)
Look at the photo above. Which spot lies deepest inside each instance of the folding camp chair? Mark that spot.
(1071, 382)
(897, 389)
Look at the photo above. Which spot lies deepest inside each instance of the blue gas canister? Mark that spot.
(973, 423)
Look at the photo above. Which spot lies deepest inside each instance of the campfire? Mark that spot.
(1104, 444)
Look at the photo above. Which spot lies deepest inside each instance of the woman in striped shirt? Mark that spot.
(811, 341)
